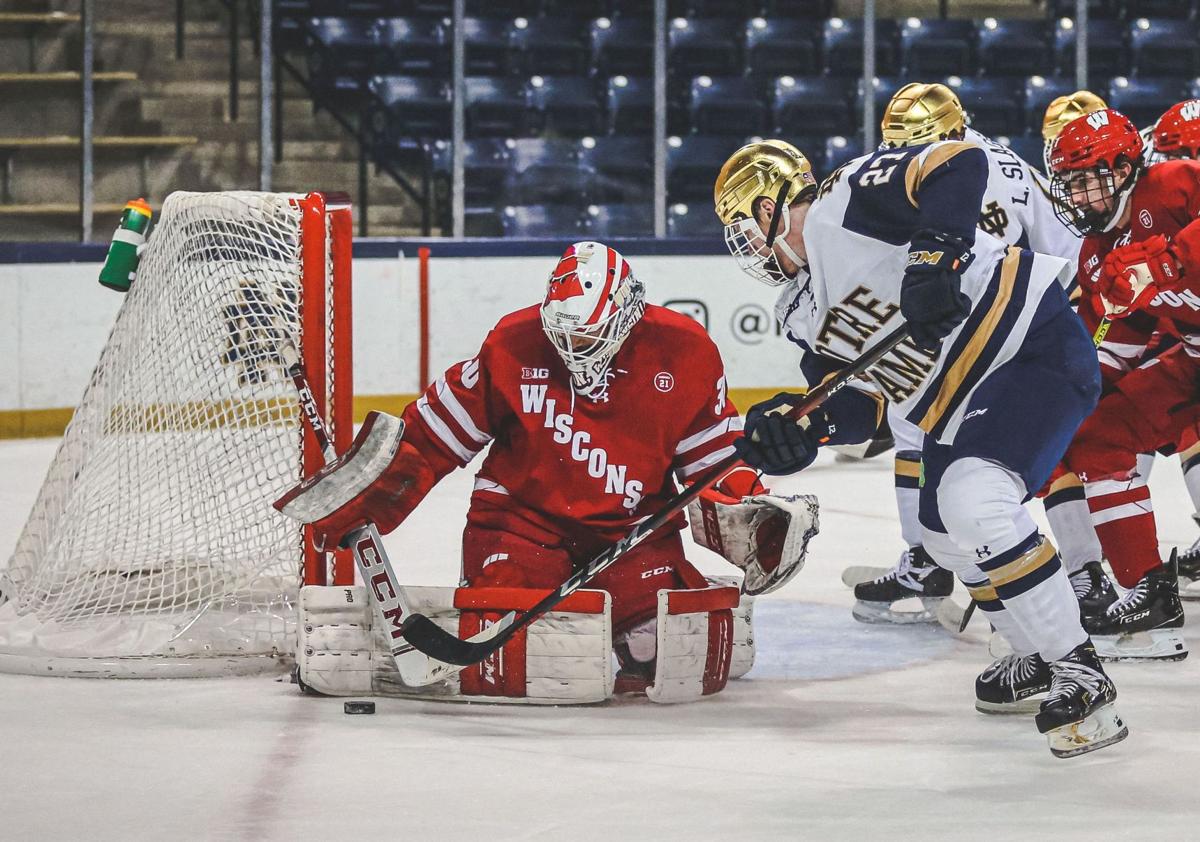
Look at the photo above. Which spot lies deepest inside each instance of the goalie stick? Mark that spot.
(416, 668)
(439, 644)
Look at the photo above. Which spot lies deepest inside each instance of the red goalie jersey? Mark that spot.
(560, 461)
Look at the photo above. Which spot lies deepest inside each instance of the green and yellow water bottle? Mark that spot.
(120, 266)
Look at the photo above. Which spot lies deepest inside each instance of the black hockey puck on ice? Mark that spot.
(359, 707)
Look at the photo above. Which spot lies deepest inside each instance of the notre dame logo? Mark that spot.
(994, 220)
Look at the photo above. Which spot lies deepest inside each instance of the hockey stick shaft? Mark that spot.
(434, 641)
(416, 669)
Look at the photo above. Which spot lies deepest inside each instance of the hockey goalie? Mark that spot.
(592, 402)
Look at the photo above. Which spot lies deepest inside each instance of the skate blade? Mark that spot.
(1022, 707)
(882, 613)
(1102, 727)
(1153, 645)
(852, 577)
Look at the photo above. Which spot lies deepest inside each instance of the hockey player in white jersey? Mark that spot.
(1016, 209)
(998, 372)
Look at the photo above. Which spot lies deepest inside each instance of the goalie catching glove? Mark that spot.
(764, 535)
(380, 479)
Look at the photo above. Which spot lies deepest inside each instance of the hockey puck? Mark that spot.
(359, 707)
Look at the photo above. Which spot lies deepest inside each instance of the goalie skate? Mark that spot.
(893, 596)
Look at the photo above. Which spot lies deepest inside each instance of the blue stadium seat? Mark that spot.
(602, 222)
(624, 167)
(1164, 47)
(1186, 9)
(808, 9)
(702, 46)
(1028, 148)
(842, 46)
(693, 220)
(1097, 9)
(1013, 47)
(884, 89)
(341, 47)
(431, 8)
(413, 46)
(994, 103)
(726, 106)
(504, 8)
(839, 150)
(409, 107)
(1039, 92)
(485, 166)
(622, 46)
(930, 48)
(1108, 53)
(498, 106)
(360, 8)
(567, 104)
(580, 10)
(542, 170)
(707, 8)
(487, 50)
(779, 47)
(542, 221)
(1144, 100)
(812, 105)
(630, 101)
(692, 165)
(548, 46)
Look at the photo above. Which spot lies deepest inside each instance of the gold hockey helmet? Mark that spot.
(1066, 108)
(765, 169)
(922, 113)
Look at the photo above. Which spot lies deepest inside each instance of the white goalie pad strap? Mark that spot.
(766, 535)
(742, 660)
(350, 474)
(695, 631)
(564, 657)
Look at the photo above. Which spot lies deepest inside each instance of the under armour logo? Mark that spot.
(983, 552)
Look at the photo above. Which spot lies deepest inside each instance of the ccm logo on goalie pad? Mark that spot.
(658, 571)
(381, 586)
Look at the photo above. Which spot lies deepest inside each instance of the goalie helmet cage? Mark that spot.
(152, 549)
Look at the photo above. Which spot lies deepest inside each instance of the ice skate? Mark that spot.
(1189, 571)
(1078, 714)
(1010, 684)
(916, 576)
(1093, 589)
(1145, 623)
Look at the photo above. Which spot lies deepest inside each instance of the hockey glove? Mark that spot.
(380, 479)
(1133, 274)
(931, 299)
(776, 444)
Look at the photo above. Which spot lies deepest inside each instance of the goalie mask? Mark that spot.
(768, 169)
(922, 113)
(592, 303)
(1090, 195)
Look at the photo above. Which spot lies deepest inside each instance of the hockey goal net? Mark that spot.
(152, 548)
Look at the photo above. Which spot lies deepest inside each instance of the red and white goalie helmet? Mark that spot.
(1177, 132)
(1084, 160)
(592, 303)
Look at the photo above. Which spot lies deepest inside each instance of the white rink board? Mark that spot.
(57, 318)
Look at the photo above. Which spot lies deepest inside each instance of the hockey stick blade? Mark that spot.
(426, 636)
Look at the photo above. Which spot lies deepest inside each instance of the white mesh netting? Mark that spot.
(152, 547)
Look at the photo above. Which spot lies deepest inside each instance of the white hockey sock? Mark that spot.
(1048, 613)
(1071, 524)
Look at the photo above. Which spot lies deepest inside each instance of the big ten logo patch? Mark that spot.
(534, 373)
(664, 381)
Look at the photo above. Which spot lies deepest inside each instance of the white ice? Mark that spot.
(842, 731)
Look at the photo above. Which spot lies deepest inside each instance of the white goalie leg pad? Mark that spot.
(564, 657)
(742, 660)
(765, 535)
(695, 635)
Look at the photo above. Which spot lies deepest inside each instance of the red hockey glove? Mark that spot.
(740, 482)
(380, 479)
(1135, 273)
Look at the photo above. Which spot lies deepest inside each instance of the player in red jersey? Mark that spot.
(1139, 268)
(593, 403)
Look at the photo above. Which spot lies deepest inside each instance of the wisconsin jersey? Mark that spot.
(561, 462)
(856, 235)
(1017, 207)
(1165, 200)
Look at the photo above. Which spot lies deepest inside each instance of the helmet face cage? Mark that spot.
(748, 245)
(1076, 194)
(587, 348)
(1083, 162)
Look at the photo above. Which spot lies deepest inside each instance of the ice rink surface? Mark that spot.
(841, 731)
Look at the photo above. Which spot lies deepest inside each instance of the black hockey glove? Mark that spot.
(775, 444)
(930, 296)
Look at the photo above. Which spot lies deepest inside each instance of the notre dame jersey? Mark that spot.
(856, 236)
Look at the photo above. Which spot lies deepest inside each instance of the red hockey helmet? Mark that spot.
(1089, 193)
(1177, 133)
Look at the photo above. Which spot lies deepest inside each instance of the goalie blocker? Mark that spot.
(704, 638)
